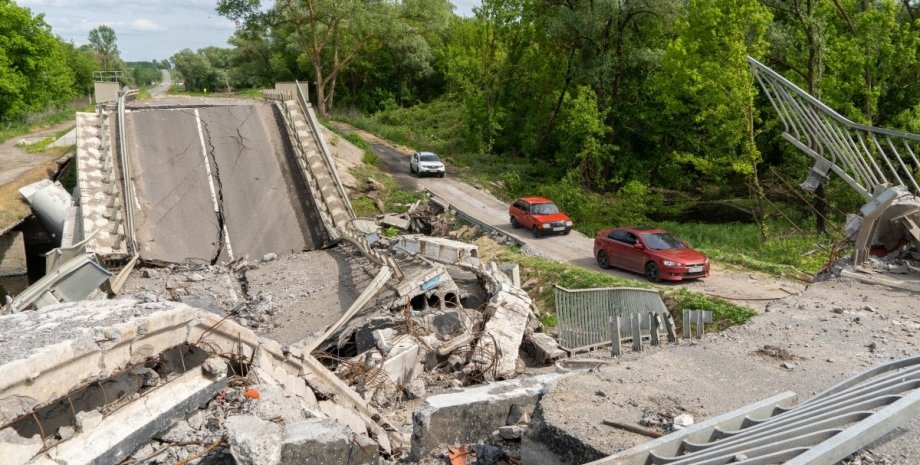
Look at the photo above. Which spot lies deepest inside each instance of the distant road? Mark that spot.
(163, 87)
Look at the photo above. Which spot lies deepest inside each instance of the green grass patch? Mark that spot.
(548, 273)
(434, 126)
(785, 252)
(394, 197)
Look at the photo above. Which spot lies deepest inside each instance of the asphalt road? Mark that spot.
(749, 288)
(215, 183)
(163, 87)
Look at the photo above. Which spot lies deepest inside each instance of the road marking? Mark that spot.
(207, 168)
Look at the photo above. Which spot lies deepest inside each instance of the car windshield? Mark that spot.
(429, 157)
(545, 209)
(662, 241)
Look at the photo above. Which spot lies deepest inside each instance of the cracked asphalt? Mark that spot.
(216, 180)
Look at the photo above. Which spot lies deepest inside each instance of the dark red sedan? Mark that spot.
(652, 251)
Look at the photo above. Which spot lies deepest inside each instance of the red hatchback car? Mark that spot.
(652, 251)
(540, 215)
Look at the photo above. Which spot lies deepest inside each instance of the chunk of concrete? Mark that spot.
(474, 413)
(396, 221)
(507, 314)
(12, 255)
(543, 348)
(403, 363)
(344, 416)
(254, 441)
(320, 441)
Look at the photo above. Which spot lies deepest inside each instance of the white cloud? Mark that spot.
(145, 25)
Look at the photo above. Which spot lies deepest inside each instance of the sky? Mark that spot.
(150, 29)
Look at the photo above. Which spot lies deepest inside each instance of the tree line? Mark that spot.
(612, 94)
(39, 70)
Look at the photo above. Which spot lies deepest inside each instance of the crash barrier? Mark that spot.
(823, 430)
(301, 154)
(336, 220)
(326, 153)
(583, 316)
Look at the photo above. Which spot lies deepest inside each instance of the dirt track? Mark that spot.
(752, 289)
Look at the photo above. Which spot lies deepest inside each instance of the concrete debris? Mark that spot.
(72, 359)
(506, 320)
(254, 441)
(543, 348)
(473, 413)
(439, 249)
(321, 442)
(269, 257)
(682, 421)
(397, 221)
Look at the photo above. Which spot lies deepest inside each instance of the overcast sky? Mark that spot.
(150, 29)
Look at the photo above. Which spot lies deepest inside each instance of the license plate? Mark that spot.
(559, 229)
(695, 269)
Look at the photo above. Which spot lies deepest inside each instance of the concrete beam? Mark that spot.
(125, 430)
(474, 413)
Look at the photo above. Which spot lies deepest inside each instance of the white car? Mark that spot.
(426, 163)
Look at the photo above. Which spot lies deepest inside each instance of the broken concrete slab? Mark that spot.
(506, 321)
(254, 441)
(120, 433)
(474, 413)
(324, 442)
(543, 348)
(440, 249)
(403, 363)
(396, 221)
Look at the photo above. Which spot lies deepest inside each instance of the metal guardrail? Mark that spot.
(583, 315)
(127, 182)
(863, 156)
(321, 206)
(336, 231)
(307, 110)
(823, 430)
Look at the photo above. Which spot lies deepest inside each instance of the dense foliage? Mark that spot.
(640, 99)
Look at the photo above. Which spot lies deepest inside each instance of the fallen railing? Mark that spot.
(823, 430)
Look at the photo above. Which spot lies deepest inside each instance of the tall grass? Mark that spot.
(50, 117)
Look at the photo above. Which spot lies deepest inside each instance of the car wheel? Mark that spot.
(567, 231)
(651, 272)
(535, 232)
(603, 260)
(411, 169)
(442, 175)
(514, 222)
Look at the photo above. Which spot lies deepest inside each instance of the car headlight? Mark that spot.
(547, 226)
(568, 223)
(670, 263)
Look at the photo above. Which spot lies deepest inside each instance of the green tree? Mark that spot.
(103, 40)
(33, 65)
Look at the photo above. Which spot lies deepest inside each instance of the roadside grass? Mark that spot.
(545, 274)
(787, 252)
(42, 145)
(392, 197)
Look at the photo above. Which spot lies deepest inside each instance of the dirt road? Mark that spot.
(755, 290)
(15, 161)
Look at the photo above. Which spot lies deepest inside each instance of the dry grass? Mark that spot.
(12, 206)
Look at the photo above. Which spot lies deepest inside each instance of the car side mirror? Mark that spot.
(638, 245)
